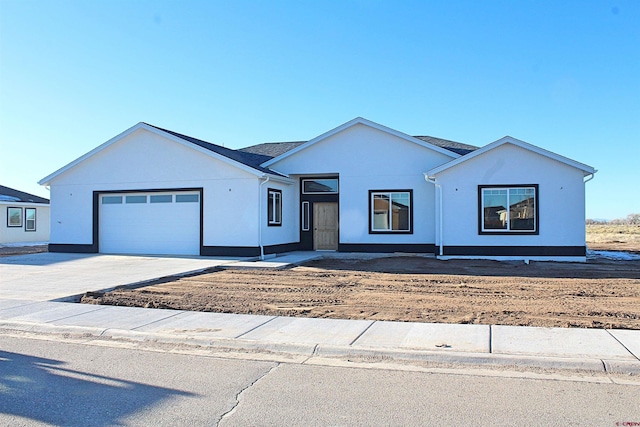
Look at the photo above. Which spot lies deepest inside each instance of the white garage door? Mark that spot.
(150, 223)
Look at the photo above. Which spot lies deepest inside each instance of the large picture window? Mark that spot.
(14, 217)
(274, 207)
(390, 211)
(508, 209)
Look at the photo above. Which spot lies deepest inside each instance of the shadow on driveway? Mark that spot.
(44, 390)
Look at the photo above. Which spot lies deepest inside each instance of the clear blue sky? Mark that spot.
(563, 75)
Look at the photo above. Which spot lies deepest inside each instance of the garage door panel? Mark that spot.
(150, 228)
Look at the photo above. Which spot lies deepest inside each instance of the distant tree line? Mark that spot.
(631, 219)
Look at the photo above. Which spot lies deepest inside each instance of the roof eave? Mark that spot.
(363, 121)
(586, 169)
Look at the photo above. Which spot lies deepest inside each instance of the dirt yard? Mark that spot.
(599, 294)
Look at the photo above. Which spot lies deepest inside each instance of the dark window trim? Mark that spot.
(35, 217)
(370, 203)
(274, 223)
(9, 216)
(509, 232)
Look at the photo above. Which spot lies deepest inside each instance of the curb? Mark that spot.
(333, 351)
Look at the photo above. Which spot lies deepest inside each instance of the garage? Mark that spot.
(152, 222)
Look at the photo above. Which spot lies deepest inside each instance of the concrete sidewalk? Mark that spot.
(590, 349)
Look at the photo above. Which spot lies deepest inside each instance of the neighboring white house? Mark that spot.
(24, 217)
(361, 187)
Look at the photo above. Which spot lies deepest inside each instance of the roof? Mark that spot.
(365, 122)
(456, 147)
(272, 149)
(10, 195)
(251, 162)
(587, 170)
(247, 158)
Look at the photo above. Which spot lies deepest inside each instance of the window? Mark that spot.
(320, 186)
(161, 198)
(187, 198)
(274, 207)
(111, 200)
(14, 217)
(305, 216)
(135, 199)
(508, 209)
(29, 219)
(390, 211)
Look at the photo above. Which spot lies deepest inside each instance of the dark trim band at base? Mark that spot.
(72, 248)
(248, 251)
(387, 247)
(515, 250)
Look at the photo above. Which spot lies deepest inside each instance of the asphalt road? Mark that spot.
(60, 383)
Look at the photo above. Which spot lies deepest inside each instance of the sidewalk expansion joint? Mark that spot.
(362, 333)
(490, 339)
(238, 396)
(159, 320)
(620, 342)
(256, 327)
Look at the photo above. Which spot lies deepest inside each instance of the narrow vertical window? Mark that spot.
(30, 219)
(305, 216)
(274, 207)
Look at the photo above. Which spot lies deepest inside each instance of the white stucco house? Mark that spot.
(24, 217)
(361, 187)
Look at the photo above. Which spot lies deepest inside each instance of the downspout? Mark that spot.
(591, 175)
(438, 187)
(260, 215)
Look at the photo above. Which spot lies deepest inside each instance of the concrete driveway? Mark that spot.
(48, 276)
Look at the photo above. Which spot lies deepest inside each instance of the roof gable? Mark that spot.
(11, 195)
(587, 170)
(354, 122)
(248, 162)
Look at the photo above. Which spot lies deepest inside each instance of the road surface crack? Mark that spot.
(238, 397)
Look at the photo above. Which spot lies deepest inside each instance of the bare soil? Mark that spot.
(598, 294)
(22, 250)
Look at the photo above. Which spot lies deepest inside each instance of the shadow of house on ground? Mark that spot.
(44, 390)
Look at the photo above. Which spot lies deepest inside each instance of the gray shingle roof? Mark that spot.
(21, 196)
(255, 155)
(456, 147)
(252, 160)
(272, 149)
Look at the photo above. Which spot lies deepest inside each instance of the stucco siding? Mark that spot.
(369, 159)
(561, 198)
(145, 161)
(19, 234)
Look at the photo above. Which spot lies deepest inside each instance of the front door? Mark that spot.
(325, 226)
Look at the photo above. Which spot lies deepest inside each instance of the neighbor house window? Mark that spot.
(390, 211)
(14, 217)
(508, 209)
(274, 207)
(30, 219)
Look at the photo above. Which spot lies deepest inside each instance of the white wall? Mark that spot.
(369, 159)
(288, 232)
(144, 160)
(561, 198)
(19, 234)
